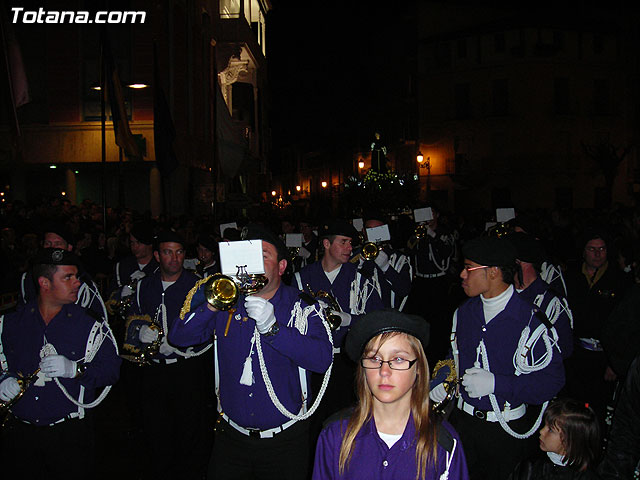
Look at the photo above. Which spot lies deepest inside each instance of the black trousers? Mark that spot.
(172, 400)
(239, 457)
(492, 453)
(61, 451)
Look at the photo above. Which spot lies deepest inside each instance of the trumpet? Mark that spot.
(370, 251)
(450, 383)
(421, 230)
(293, 252)
(332, 306)
(222, 292)
(499, 230)
(24, 382)
(152, 349)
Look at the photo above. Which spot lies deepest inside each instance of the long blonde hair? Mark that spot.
(426, 426)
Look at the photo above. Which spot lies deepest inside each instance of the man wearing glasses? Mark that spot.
(505, 359)
(593, 290)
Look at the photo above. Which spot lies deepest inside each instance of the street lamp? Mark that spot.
(324, 184)
(361, 164)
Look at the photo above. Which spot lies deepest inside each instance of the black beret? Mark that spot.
(55, 256)
(208, 241)
(167, 236)
(253, 231)
(338, 227)
(490, 251)
(528, 248)
(382, 321)
(591, 233)
(59, 229)
(143, 232)
(526, 223)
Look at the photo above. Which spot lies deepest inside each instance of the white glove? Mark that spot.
(165, 348)
(431, 232)
(58, 366)
(304, 253)
(478, 382)
(137, 275)
(345, 317)
(126, 291)
(438, 394)
(382, 260)
(148, 334)
(261, 311)
(9, 388)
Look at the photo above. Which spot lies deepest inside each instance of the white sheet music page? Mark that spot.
(245, 253)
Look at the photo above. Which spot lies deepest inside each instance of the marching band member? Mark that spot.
(392, 432)
(57, 235)
(264, 351)
(208, 263)
(505, 358)
(171, 389)
(534, 289)
(355, 294)
(67, 355)
(392, 271)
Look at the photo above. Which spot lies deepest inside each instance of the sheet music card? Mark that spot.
(244, 252)
(503, 215)
(224, 226)
(422, 214)
(293, 240)
(378, 234)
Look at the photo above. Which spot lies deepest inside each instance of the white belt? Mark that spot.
(430, 275)
(592, 344)
(251, 432)
(165, 361)
(490, 416)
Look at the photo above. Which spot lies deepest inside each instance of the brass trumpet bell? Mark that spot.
(221, 292)
(370, 251)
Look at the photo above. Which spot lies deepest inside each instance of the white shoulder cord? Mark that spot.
(397, 262)
(492, 398)
(445, 265)
(454, 342)
(555, 308)
(86, 294)
(94, 342)
(550, 273)
(358, 297)
(445, 474)
(118, 281)
(189, 353)
(22, 287)
(300, 325)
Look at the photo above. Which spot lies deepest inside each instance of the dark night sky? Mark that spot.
(327, 64)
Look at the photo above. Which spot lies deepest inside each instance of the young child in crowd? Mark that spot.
(571, 439)
(392, 432)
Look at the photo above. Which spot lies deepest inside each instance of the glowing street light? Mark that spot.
(324, 184)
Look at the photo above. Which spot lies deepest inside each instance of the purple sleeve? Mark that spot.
(325, 464)
(196, 328)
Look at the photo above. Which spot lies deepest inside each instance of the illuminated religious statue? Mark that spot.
(378, 155)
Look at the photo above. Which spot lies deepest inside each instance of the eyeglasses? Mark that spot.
(471, 269)
(596, 249)
(397, 363)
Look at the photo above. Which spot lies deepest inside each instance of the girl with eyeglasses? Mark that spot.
(392, 431)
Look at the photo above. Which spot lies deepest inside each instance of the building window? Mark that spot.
(561, 96)
(462, 101)
(500, 96)
(461, 48)
(499, 42)
(601, 97)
